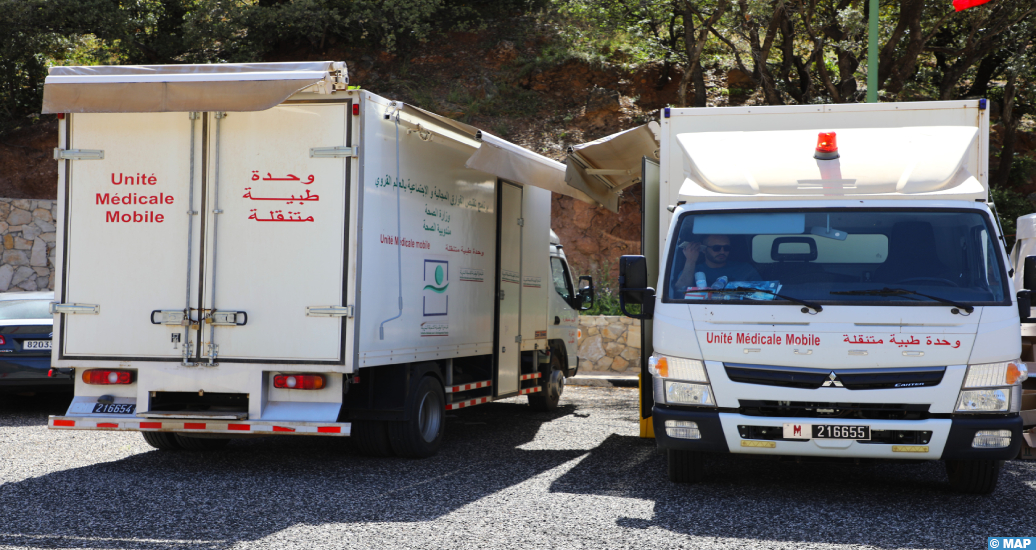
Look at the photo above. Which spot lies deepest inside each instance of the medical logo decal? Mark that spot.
(436, 282)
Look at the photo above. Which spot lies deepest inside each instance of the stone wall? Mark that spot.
(609, 343)
(28, 230)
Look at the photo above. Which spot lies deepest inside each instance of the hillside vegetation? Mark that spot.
(551, 73)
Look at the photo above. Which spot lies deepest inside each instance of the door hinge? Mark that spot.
(78, 154)
(521, 222)
(333, 152)
(77, 309)
(501, 294)
(518, 339)
(329, 311)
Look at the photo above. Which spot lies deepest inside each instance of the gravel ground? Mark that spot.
(506, 477)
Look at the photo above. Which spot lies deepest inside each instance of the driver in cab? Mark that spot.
(714, 263)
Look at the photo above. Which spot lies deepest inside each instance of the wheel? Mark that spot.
(977, 477)
(685, 466)
(371, 438)
(163, 441)
(200, 443)
(548, 398)
(420, 435)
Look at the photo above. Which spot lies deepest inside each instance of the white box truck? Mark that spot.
(260, 249)
(827, 281)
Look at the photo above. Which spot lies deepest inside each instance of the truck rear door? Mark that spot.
(125, 183)
(276, 234)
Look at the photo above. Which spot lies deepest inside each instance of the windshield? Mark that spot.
(836, 256)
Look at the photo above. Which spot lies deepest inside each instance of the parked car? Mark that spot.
(26, 327)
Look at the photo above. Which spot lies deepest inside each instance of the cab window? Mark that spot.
(562, 283)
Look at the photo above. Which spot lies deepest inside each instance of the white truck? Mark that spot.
(831, 283)
(261, 249)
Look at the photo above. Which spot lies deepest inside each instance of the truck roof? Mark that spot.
(906, 162)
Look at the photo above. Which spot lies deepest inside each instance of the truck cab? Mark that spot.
(831, 284)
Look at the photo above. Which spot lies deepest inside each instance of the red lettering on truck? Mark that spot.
(133, 217)
(133, 198)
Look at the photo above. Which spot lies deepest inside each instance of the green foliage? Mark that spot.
(606, 301)
(1010, 205)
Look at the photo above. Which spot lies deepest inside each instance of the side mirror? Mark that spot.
(633, 287)
(1024, 304)
(1029, 276)
(585, 296)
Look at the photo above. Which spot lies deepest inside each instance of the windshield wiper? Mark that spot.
(810, 305)
(901, 292)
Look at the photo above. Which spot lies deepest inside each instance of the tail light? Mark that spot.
(3, 341)
(827, 146)
(106, 377)
(299, 381)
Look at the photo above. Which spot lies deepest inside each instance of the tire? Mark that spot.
(163, 441)
(548, 398)
(686, 466)
(200, 443)
(371, 438)
(976, 477)
(420, 435)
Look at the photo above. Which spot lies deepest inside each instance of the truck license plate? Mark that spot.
(36, 344)
(826, 431)
(115, 408)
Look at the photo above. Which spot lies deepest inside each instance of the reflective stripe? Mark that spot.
(468, 403)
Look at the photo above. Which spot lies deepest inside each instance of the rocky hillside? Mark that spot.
(503, 81)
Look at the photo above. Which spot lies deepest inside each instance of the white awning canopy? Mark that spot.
(886, 161)
(603, 168)
(185, 88)
(504, 159)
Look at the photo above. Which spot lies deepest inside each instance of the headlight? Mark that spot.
(682, 393)
(676, 368)
(1007, 373)
(988, 400)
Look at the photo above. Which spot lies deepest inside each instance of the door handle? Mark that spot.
(557, 320)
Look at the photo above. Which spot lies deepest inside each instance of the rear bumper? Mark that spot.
(951, 438)
(200, 426)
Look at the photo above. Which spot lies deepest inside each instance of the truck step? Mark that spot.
(468, 403)
(248, 426)
(468, 386)
(530, 376)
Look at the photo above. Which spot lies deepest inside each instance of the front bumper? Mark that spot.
(950, 440)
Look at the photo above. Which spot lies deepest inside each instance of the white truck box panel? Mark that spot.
(269, 268)
(447, 222)
(129, 259)
(536, 277)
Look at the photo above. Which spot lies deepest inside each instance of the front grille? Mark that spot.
(852, 379)
(808, 409)
(878, 437)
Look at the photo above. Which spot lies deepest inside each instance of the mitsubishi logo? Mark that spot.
(833, 380)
